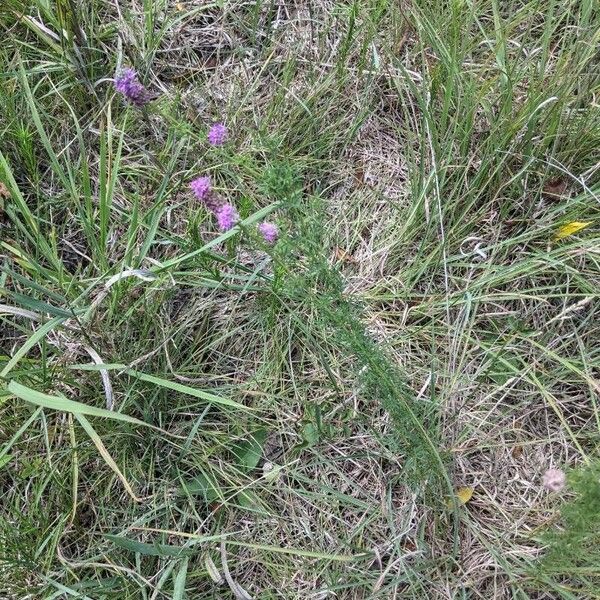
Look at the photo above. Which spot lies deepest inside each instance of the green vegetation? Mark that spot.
(187, 413)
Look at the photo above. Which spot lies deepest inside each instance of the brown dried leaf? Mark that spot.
(359, 175)
(344, 256)
(4, 193)
(555, 188)
(409, 545)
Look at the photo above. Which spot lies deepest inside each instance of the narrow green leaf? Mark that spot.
(43, 137)
(30, 226)
(71, 406)
(160, 549)
(16, 196)
(39, 306)
(28, 283)
(148, 549)
(63, 589)
(298, 552)
(184, 389)
(180, 580)
(30, 343)
(106, 455)
(165, 383)
(19, 433)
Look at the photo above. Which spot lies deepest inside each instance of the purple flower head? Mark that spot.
(554, 480)
(217, 134)
(201, 187)
(128, 84)
(213, 202)
(269, 232)
(227, 217)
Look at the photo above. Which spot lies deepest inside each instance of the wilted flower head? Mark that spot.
(554, 480)
(213, 201)
(227, 217)
(128, 84)
(269, 232)
(217, 134)
(201, 187)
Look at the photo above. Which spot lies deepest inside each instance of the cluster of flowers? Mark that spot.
(128, 84)
(225, 213)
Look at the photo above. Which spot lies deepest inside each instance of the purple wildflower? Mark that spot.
(128, 84)
(269, 232)
(227, 217)
(201, 187)
(554, 480)
(217, 135)
(213, 202)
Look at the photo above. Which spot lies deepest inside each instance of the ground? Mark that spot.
(364, 409)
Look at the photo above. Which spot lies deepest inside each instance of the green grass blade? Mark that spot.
(20, 432)
(105, 454)
(30, 343)
(160, 549)
(180, 580)
(68, 184)
(185, 389)
(71, 406)
(165, 383)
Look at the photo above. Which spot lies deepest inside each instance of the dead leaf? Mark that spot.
(342, 255)
(431, 59)
(555, 188)
(461, 497)
(4, 195)
(409, 545)
(517, 451)
(359, 175)
(212, 570)
(570, 229)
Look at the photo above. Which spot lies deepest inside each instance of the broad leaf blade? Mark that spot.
(249, 451)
